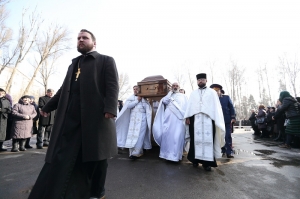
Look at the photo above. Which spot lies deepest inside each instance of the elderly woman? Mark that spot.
(261, 121)
(23, 113)
(291, 108)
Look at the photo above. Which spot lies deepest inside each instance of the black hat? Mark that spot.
(25, 96)
(201, 75)
(216, 86)
(2, 90)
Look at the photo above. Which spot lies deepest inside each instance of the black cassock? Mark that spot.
(191, 154)
(67, 176)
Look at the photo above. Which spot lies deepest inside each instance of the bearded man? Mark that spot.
(84, 133)
(134, 125)
(169, 129)
(206, 125)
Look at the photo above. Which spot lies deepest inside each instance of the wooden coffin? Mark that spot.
(154, 86)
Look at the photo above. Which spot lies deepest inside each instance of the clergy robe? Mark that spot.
(169, 129)
(133, 126)
(81, 133)
(207, 128)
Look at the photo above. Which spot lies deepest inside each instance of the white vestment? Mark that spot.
(205, 105)
(133, 126)
(169, 129)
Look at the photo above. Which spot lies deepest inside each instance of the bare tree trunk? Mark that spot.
(268, 84)
(53, 43)
(25, 43)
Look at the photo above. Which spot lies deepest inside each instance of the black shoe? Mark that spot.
(230, 156)
(46, 144)
(28, 147)
(133, 157)
(195, 164)
(2, 149)
(207, 168)
(39, 147)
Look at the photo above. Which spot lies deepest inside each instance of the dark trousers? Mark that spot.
(228, 140)
(67, 177)
(43, 135)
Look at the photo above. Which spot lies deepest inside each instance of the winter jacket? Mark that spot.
(290, 107)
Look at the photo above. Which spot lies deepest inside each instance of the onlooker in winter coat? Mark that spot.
(270, 122)
(252, 119)
(9, 118)
(291, 108)
(280, 123)
(262, 126)
(5, 109)
(34, 120)
(23, 113)
(45, 123)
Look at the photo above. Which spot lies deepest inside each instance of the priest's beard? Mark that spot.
(85, 49)
(175, 90)
(201, 85)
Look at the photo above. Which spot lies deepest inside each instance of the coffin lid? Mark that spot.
(153, 78)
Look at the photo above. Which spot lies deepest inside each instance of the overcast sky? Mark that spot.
(155, 37)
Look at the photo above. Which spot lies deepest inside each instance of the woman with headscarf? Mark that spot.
(291, 108)
(23, 114)
(34, 120)
(261, 115)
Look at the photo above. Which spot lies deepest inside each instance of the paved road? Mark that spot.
(260, 169)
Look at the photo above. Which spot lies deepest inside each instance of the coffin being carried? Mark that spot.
(154, 87)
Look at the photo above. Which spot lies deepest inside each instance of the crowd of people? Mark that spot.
(200, 125)
(84, 123)
(20, 121)
(281, 122)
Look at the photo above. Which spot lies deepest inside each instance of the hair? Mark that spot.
(182, 90)
(135, 86)
(261, 106)
(50, 90)
(92, 35)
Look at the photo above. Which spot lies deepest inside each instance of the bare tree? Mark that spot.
(191, 78)
(54, 41)
(124, 87)
(47, 69)
(211, 65)
(5, 32)
(291, 69)
(236, 82)
(266, 76)
(179, 76)
(26, 39)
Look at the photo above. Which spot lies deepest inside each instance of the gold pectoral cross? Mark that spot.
(77, 74)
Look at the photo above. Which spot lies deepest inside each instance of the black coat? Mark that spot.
(45, 121)
(290, 107)
(98, 95)
(5, 110)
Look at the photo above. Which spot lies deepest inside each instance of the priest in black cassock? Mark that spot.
(206, 125)
(84, 133)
